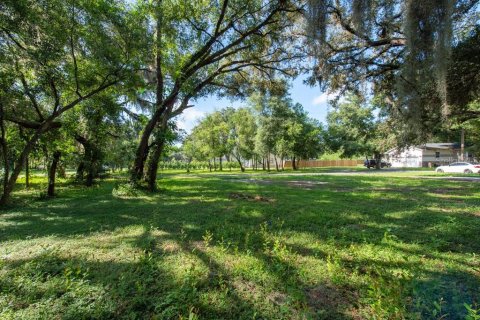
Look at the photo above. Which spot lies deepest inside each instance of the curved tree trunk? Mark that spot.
(141, 154)
(9, 182)
(52, 173)
(153, 164)
(242, 168)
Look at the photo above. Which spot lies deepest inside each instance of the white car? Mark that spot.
(459, 167)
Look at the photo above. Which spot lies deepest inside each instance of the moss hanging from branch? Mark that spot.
(402, 46)
(362, 14)
(428, 31)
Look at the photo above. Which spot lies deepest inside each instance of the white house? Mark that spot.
(429, 154)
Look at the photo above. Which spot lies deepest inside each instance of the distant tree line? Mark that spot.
(272, 128)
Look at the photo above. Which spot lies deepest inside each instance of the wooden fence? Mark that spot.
(323, 163)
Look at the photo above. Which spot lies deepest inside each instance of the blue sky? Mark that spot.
(313, 101)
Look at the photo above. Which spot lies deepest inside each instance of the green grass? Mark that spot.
(387, 245)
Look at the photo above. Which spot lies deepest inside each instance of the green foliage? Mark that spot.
(126, 189)
(354, 129)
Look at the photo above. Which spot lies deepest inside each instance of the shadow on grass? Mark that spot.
(345, 211)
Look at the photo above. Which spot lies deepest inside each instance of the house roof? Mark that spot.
(430, 146)
(441, 145)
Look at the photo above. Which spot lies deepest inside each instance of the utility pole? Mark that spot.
(462, 144)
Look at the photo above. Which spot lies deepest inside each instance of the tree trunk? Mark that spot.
(6, 169)
(276, 163)
(378, 158)
(52, 173)
(153, 164)
(294, 165)
(90, 161)
(27, 173)
(80, 170)
(268, 162)
(141, 153)
(242, 168)
(9, 183)
(220, 163)
(91, 173)
(61, 172)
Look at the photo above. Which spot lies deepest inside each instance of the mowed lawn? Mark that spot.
(211, 246)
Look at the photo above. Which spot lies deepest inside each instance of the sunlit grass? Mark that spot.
(253, 246)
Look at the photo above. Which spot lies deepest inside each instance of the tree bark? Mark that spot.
(10, 184)
(220, 163)
(80, 170)
(90, 161)
(294, 165)
(153, 164)
(27, 173)
(378, 162)
(242, 168)
(52, 173)
(6, 165)
(276, 163)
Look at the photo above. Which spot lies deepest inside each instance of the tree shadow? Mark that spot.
(345, 212)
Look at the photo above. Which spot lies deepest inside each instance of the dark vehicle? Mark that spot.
(372, 163)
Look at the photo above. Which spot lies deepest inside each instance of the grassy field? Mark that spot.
(387, 245)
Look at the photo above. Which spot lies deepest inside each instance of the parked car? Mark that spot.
(372, 163)
(459, 167)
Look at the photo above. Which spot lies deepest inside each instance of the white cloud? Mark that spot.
(324, 98)
(189, 118)
(321, 99)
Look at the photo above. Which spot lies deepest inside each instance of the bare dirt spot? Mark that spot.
(255, 181)
(244, 196)
(445, 190)
(305, 184)
(277, 297)
(329, 297)
(170, 247)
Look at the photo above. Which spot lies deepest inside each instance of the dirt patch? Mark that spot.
(445, 191)
(329, 297)
(244, 196)
(170, 247)
(305, 184)
(255, 181)
(277, 297)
